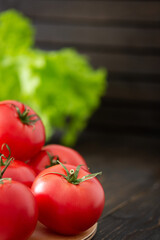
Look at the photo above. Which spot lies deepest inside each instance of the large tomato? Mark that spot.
(50, 153)
(20, 172)
(18, 211)
(68, 204)
(21, 129)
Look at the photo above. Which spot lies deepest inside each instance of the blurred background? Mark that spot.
(120, 36)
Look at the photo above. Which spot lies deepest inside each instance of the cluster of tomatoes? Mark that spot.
(51, 183)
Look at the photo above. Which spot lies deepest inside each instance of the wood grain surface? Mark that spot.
(131, 181)
(42, 233)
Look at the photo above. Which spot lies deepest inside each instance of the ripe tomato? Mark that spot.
(22, 129)
(50, 153)
(20, 172)
(68, 205)
(18, 210)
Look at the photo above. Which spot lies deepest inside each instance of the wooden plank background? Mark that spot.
(124, 37)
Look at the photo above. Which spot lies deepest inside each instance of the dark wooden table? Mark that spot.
(131, 181)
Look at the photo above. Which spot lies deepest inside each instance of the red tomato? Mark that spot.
(64, 207)
(20, 172)
(64, 154)
(18, 210)
(21, 129)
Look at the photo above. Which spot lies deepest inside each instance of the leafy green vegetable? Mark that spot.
(60, 85)
(16, 33)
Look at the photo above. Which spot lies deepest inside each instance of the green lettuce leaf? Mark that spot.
(60, 85)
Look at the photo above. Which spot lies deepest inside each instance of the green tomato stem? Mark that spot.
(53, 160)
(72, 176)
(25, 117)
(2, 180)
(6, 163)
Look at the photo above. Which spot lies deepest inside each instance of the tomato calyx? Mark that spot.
(72, 175)
(1, 161)
(5, 179)
(25, 117)
(53, 160)
(6, 163)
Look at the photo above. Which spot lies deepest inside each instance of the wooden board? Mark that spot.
(98, 36)
(131, 63)
(133, 91)
(131, 181)
(90, 11)
(136, 218)
(42, 233)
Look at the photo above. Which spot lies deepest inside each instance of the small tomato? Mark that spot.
(20, 172)
(50, 153)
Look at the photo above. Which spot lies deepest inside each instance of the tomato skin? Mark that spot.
(65, 154)
(66, 208)
(20, 172)
(18, 210)
(24, 140)
(40, 161)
